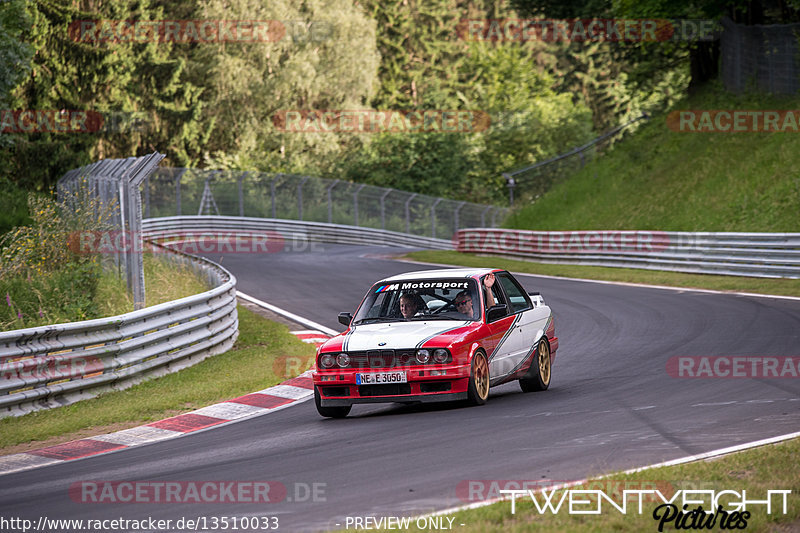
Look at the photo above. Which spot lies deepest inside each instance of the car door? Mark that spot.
(499, 360)
(523, 331)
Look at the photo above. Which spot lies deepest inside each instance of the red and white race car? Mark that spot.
(436, 335)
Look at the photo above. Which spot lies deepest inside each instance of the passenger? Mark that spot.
(463, 300)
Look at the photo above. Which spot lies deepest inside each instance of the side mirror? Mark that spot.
(496, 311)
(345, 319)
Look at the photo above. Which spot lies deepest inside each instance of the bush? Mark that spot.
(42, 280)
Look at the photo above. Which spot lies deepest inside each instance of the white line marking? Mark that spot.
(291, 316)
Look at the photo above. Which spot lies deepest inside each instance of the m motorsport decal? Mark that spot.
(426, 284)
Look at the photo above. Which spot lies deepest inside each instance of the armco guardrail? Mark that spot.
(170, 227)
(62, 363)
(770, 255)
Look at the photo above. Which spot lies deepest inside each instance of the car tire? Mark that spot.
(478, 389)
(330, 412)
(539, 374)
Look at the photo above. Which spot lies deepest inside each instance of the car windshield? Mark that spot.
(424, 299)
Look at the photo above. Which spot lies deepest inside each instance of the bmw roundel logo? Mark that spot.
(381, 344)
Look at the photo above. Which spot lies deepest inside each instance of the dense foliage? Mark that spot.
(214, 104)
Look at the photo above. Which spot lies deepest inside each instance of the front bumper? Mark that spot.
(406, 398)
(340, 388)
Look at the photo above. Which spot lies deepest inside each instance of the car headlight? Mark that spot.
(423, 356)
(327, 360)
(440, 355)
(343, 360)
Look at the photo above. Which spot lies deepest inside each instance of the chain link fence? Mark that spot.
(186, 191)
(531, 182)
(111, 188)
(760, 57)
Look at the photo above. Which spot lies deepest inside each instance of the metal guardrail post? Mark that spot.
(328, 191)
(433, 217)
(408, 213)
(483, 215)
(147, 197)
(383, 207)
(456, 222)
(272, 193)
(178, 192)
(300, 198)
(239, 180)
(355, 201)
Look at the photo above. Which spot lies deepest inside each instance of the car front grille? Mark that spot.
(382, 359)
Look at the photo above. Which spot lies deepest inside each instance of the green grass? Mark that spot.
(163, 282)
(658, 179)
(784, 287)
(756, 471)
(257, 360)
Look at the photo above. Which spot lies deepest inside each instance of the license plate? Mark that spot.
(381, 377)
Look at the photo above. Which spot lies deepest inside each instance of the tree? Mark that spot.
(327, 60)
(104, 79)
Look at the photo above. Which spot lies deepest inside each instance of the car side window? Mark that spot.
(495, 295)
(518, 299)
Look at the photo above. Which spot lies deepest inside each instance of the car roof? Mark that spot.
(440, 273)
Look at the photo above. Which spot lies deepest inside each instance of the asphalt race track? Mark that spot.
(611, 406)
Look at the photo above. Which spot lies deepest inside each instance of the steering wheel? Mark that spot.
(449, 306)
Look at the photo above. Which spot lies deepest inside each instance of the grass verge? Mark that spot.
(784, 287)
(258, 360)
(755, 471)
(659, 179)
(163, 282)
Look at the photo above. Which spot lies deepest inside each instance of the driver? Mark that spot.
(408, 305)
(463, 300)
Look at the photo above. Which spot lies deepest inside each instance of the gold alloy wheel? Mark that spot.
(481, 376)
(544, 362)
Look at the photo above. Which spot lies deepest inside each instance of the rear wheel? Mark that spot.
(478, 389)
(538, 376)
(330, 412)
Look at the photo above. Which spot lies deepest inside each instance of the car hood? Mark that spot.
(399, 335)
